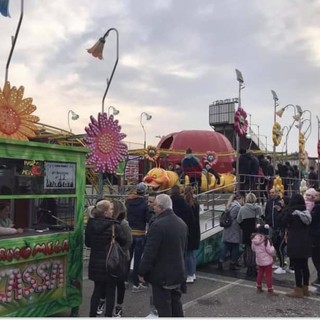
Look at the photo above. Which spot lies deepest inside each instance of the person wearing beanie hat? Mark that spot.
(264, 251)
(141, 188)
(138, 216)
(309, 198)
(299, 248)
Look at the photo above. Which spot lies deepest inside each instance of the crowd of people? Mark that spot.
(287, 227)
(160, 232)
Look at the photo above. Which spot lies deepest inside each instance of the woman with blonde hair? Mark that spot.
(98, 237)
(248, 216)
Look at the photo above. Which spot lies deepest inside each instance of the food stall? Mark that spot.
(41, 268)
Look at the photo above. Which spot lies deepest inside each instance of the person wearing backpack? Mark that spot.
(231, 236)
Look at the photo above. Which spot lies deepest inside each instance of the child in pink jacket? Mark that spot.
(264, 251)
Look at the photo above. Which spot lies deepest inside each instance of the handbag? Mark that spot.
(116, 261)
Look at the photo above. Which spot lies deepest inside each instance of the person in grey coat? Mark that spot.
(231, 236)
(248, 216)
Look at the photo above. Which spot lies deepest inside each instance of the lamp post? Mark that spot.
(148, 117)
(114, 111)
(241, 86)
(74, 116)
(97, 51)
(276, 103)
(14, 40)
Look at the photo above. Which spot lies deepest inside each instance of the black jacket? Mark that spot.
(162, 263)
(299, 240)
(194, 231)
(315, 223)
(182, 210)
(98, 237)
(270, 212)
(137, 212)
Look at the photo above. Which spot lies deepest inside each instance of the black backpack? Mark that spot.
(225, 219)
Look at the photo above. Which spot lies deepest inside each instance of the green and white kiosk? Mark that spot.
(41, 268)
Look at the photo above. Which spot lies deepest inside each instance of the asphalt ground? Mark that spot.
(223, 294)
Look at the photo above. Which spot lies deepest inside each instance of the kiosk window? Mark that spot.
(23, 176)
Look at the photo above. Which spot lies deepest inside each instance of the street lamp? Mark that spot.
(74, 116)
(148, 117)
(114, 111)
(97, 51)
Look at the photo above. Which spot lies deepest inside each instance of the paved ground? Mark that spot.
(224, 294)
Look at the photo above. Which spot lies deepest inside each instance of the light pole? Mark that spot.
(97, 51)
(74, 116)
(241, 86)
(148, 117)
(114, 111)
(14, 40)
(276, 103)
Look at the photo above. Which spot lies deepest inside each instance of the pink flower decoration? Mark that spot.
(104, 141)
(211, 157)
(240, 122)
(97, 49)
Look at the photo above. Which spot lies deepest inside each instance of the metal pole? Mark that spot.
(14, 40)
(299, 156)
(114, 67)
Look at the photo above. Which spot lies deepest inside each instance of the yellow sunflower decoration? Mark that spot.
(16, 121)
(151, 153)
(301, 142)
(276, 133)
(277, 185)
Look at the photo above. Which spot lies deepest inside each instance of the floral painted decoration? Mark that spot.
(16, 120)
(211, 157)
(104, 141)
(276, 133)
(151, 153)
(240, 122)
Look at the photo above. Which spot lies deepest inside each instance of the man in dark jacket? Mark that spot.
(138, 215)
(192, 167)
(162, 263)
(315, 236)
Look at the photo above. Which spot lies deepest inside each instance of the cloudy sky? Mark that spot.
(176, 58)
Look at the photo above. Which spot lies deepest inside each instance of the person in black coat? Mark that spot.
(315, 236)
(182, 210)
(162, 263)
(98, 235)
(298, 219)
(194, 234)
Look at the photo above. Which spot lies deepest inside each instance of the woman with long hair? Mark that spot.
(299, 247)
(120, 214)
(194, 234)
(98, 236)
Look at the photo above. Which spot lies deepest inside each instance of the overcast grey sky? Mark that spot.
(176, 58)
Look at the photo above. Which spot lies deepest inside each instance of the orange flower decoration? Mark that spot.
(276, 133)
(16, 121)
(151, 153)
